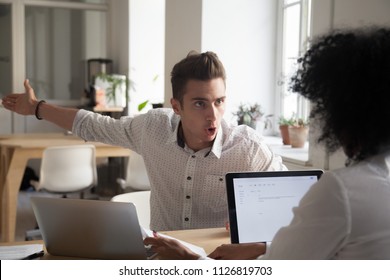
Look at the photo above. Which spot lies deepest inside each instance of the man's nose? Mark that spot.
(212, 113)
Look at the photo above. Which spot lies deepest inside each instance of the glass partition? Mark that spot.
(5, 50)
(59, 41)
(83, 1)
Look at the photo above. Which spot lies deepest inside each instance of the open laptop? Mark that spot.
(260, 203)
(91, 229)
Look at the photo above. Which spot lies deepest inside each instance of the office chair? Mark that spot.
(137, 188)
(136, 176)
(141, 200)
(67, 169)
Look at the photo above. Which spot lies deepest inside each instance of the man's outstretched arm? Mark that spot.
(27, 104)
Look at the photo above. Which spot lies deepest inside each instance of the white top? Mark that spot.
(345, 215)
(188, 188)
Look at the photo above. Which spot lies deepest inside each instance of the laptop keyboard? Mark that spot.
(150, 254)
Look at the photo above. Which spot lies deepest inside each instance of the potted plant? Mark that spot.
(298, 133)
(116, 88)
(284, 123)
(251, 114)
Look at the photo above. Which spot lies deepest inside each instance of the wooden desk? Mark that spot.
(15, 151)
(208, 239)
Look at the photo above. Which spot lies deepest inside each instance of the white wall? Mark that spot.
(183, 33)
(331, 14)
(369, 12)
(147, 48)
(243, 34)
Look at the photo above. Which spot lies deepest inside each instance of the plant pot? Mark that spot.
(285, 135)
(298, 135)
(250, 123)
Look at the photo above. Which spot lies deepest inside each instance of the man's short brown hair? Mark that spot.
(196, 66)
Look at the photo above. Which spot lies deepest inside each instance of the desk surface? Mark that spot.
(208, 239)
(44, 140)
(16, 150)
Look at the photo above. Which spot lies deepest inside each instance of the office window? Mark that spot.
(294, 29)
(59, 41)
(5, 49)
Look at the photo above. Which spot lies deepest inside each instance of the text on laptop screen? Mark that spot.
(264, 204)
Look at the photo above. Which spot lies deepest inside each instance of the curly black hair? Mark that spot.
(346, 74)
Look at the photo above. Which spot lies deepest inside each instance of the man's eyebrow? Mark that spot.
(206, 99)
(199, 98)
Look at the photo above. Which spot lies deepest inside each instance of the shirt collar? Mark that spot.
(174, 137)
(180, 137)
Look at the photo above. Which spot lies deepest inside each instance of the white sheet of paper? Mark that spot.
(17, 252)
(196, 249)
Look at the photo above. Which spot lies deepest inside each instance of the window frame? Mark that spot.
(303, 105)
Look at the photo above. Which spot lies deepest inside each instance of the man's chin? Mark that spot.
(211, 138)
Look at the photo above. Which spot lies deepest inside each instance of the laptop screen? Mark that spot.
(260, 203)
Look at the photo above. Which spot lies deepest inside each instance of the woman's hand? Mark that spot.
(170, 249)
(21, 103)
(248, 251)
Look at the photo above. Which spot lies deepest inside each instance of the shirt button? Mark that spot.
(188, 197)
(189, 178)
(186, 219)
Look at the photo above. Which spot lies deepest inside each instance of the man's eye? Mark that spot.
(219, 101)
(199, 104)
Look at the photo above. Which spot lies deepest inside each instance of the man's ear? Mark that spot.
(175, 105)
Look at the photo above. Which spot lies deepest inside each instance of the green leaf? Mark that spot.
(142, 105)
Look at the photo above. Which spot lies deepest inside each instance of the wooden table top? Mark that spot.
(208, 239)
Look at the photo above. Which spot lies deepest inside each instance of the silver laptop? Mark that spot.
(91, 229)
(260, 203)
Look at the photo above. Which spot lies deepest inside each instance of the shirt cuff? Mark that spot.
(204, 258)
(267, 246)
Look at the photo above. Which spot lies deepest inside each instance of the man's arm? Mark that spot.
(27, 104)
(60, 116)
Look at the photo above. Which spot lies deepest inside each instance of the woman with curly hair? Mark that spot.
(346, 214)
(346, 76)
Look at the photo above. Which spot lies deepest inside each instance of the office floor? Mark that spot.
(25, 219)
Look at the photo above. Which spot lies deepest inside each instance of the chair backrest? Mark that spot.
(141, 201)
(68, 168)
(136, 176)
